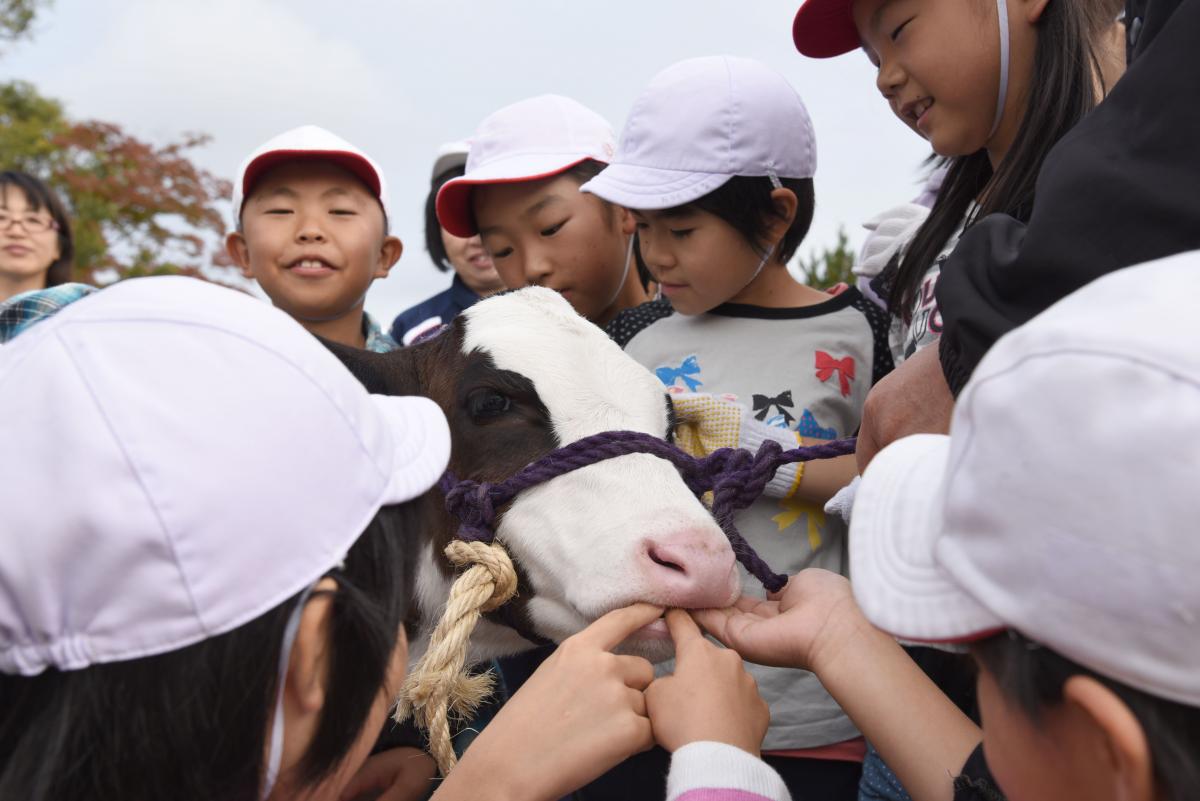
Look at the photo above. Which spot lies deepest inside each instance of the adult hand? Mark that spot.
(710, 696)
(797, 628)
(578, 715)
(912, 399)
(398, 774)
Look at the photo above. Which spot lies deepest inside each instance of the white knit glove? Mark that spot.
(890, 232)
(706, 422)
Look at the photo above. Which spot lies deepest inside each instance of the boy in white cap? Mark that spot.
(1061, 552)
(716, 163)
(312, 220)
(520, 193)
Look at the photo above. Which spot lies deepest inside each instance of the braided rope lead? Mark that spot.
(440, 685)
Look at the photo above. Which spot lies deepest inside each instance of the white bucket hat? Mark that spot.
(308, 142)
(701, 122)
(182, 458)
(527, 141)
(1064, 503)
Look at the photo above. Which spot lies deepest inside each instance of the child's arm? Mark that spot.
(578, 715)
(815, 624)
(705, 423)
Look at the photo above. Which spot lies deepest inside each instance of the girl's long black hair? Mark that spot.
(192, 724)
(1062, 92)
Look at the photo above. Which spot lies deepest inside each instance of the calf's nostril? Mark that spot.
(658, 559)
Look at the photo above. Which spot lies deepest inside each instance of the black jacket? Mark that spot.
(1121, 188)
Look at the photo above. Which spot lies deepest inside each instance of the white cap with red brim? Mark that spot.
(530, 140)
(308, 143)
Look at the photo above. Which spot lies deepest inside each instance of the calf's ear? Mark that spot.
(381, 373)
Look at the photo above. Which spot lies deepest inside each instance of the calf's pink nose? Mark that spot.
(690, 570)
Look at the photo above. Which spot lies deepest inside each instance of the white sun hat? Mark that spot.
(182, 458)
(1064, 502)
(533, 139)
(308, 142)
(701, 122)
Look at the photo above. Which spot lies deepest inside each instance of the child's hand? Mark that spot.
(710, 696)
(578, 715)
(398, 774)
(802, 627)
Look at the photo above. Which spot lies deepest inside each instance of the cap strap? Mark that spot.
(1002, 96)
(285, 653)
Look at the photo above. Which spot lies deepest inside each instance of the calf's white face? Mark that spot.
(610, 534)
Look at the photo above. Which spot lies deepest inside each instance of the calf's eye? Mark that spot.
(487, 403)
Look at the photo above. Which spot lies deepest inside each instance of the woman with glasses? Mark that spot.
(35, 236)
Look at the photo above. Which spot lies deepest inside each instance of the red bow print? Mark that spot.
(827, 365)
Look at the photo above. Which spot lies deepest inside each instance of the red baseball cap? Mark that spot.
(825, 28)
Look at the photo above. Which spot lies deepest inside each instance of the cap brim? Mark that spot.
(637, 187)
(454, 210)
(894, 530)
(825, 28)
(421, 445)
(352, 162)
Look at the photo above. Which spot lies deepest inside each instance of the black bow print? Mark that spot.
(763, 404)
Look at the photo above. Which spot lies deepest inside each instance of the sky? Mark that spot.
(400, 77)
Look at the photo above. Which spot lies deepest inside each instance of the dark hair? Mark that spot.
(1062, 91)
(433, 229)
(1033, 676)
(39, 196)
(745, 203)
(193, 723)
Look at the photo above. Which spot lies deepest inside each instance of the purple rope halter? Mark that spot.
(735, 476)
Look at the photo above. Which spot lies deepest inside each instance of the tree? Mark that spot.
(831, 266)
(137, 209)
(16, 17)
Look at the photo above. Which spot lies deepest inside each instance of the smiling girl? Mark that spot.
(35, 236)
(991, 85)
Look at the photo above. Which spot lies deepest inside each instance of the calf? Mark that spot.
(517, 376)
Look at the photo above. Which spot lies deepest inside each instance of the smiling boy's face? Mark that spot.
(314, 238)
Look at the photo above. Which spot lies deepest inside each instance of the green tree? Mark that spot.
(137, 209)
(16, 17)
(829, 267)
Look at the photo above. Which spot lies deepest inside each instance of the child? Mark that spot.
(312, 224)
(475, 276)
(219, 619)
(35, 236)
(1074, 590)
(716, 163)
(520, 193)
(168, 632)
(991, 98)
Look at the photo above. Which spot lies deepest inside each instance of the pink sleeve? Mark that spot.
(707, 771)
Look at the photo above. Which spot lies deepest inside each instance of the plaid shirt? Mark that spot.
(29, 308)
(377, 340)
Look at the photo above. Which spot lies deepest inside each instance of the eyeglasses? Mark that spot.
(32, 223)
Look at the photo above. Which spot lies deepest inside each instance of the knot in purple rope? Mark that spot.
(471, 502)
